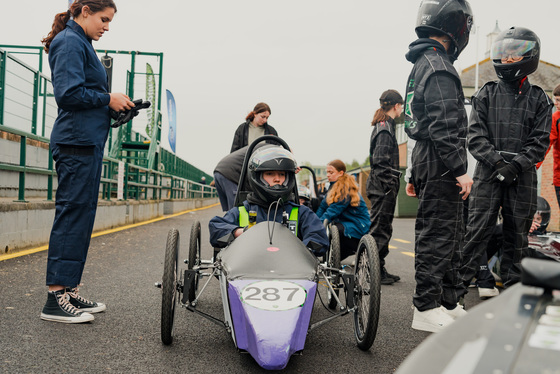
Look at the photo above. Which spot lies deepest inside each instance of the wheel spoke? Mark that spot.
(169, 287)
(363, 291)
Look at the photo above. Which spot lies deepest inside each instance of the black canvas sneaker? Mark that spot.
(59, 309)
(83, 304)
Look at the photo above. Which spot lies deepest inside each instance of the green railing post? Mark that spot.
(35, 102)
(43, 85)
(3, 61)
(130, 90)
(22, 163)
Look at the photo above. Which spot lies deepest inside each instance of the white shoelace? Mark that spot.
(75, 295)
(64, 302)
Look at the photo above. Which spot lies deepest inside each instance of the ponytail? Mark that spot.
(259, 108)
(58, 25)
(250, 116)
(387, 101)
(380, 116)
(61, 19)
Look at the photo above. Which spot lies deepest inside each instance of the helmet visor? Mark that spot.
(513, 50)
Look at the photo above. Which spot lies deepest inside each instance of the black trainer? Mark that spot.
(396, 278)
(83, 304)
(59, 309)
(385, 278)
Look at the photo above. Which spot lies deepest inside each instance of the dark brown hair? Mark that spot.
(259, 108)
(338, 165)
(388, 99)
(75, 10)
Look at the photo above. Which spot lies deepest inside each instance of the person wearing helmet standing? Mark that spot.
(508, 135)
(383, 182)
(435, 118)
(272, 180)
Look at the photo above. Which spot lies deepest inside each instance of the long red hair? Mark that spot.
(344, 188)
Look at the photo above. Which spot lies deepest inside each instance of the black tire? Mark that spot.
(194, 257)
(367, 292)
(333, 261)
(169, 298)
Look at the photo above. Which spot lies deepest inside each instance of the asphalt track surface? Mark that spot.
(121, 271)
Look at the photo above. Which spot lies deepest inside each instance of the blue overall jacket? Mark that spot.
(80, 89)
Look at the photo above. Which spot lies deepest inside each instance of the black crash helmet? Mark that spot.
(303, 192)
(271, 159)
(543, 212)
(520, 44)
(453, 18)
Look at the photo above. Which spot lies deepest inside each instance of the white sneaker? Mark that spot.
(486, 293)
(432, 320)
(459, 311)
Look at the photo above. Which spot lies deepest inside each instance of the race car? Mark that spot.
(269, 282)
(513, 333)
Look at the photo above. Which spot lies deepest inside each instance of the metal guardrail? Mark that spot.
(143, 184)
(137, 182)
(27, 103)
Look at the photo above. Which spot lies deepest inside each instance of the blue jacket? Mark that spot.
(355, 219)
(309, 226)
(80, 89)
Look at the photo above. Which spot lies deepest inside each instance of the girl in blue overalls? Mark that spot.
(77, 141)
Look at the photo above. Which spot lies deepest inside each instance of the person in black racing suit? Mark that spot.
(384, 178)
(508, 134)
(435, 117)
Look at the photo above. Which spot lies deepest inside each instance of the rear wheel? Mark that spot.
(170, 298)
(367, 292)
(194, 257)
(333, 261)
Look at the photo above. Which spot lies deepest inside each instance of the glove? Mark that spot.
(506, 173)
(125, 116)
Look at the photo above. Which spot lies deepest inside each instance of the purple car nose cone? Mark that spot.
(271, 318)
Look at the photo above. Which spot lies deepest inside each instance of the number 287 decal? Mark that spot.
(274, 295)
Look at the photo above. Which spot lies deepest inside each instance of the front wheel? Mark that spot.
(367, 292)
(194, 257)
(169, 298)
(333, 261)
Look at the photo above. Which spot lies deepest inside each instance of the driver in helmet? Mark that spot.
(272, 180)
(508, 134)
(304, 196)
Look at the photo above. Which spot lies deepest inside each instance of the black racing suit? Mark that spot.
(435, 117)
(509, 123)
(383, 183)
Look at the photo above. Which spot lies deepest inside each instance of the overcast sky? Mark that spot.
(321, 65)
